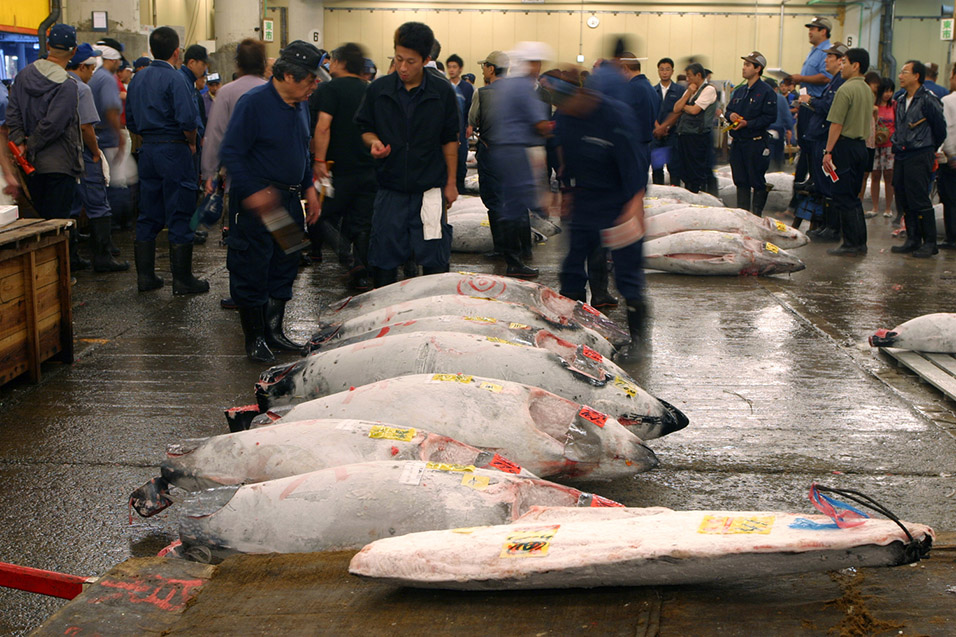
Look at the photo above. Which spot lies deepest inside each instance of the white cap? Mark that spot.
(533, 51)
(109, 53)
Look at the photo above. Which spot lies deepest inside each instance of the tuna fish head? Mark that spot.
(766, 258)
(277, 384)
(672, 420)
(883, 338)
(787, 236)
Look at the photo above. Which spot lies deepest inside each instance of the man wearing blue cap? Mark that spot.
(91, 193)
(44, 123)
(161, 108)
(266, 153)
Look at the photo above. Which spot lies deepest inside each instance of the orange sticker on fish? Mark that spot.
(593, 416)
(590, 353)
(503, 464)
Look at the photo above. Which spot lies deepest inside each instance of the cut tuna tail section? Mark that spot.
(883, 338)
(673, 419)
(321, 337)
(151, 498)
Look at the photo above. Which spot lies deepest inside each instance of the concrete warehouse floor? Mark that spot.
(774, 374)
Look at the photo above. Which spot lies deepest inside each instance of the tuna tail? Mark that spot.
(240, 418)
(277, 382)
(883, 338)
(673, 419)
(321, 337)
(151, 498)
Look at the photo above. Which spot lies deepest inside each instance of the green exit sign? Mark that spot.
(946, 29)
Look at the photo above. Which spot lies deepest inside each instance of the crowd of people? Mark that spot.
(314, 144)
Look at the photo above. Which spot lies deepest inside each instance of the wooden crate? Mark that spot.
(36, 312)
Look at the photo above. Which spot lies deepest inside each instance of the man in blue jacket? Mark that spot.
(664, 146)
(409, 121)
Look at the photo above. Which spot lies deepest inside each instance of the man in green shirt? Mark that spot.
(845, 155)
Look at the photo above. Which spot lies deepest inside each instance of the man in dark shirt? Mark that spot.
(409, 121)
(466, 92)
(340, 153)
(266, 153)
(752, 110)
(664, 146)
(161, 108)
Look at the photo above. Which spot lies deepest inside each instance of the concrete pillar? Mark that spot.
(237, 20)
(123, 15)
(306, 16)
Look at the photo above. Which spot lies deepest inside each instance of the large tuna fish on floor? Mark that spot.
(932, 333)
(732, 220)
(474, 309)
(291, 448)
(654, 206)
(778, 199)
(483, 326)
(548, 435)
(565, 548)
(707, 252)
(549, 303)
(348, 506)
(682, 194)
(573, 372)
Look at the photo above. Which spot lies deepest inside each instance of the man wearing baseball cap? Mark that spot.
(815, 111)
(813, 77)
(44, 124)
(266, 153)
(751, 111)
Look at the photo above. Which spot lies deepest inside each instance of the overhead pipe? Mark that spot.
(887, 60)
(46, 24)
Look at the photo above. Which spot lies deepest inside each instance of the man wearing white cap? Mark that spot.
(814, 77)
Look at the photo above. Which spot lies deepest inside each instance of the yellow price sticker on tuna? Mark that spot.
(476, 482)
(492, 387)
(534, 542)
(391, 433)
(485, 224)
(626, 386)
(481, 319)
(495, 339)
(464, 273)
(772, 248)
(782, 227)
(734, 525)
(519, 326)
(446, 466)
(453, 378)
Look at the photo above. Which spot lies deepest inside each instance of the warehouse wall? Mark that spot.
(657, 30)
(918, 39)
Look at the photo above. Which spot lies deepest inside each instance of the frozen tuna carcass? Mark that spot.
(348, 506)
(294, 447)
(474, 309)
(682, 194)
(778, 199)
(707, 252)
(565, 548)
(483, 326)
(574, 372)
(933, 333)
(549, 303)
(548, 435)
(733, 220)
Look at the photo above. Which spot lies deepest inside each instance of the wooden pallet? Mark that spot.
(939, 370)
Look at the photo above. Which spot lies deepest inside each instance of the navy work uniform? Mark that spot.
(416, 124)
(482, 119)
(750, 152)
(664, 150)
(161, 108)
(604, 170)
(815, 142)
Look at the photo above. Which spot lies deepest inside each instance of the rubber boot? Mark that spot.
(76, 261)
(510, 231)
(831, 218)
(360, 274)
(409, 269)
(439, 270)
(181, 265)
(927, 221)
(381, 278)
(637, 319)
(525, 241)
(598, 280)
(913, 233)
(103, 260)
(254, 329)
(743, 198)
(144, 254)
(760, 200)
(575, 296)
(494, 221)
(275, 337)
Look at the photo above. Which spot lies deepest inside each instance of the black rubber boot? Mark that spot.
(76, 261)
(927, 221)
(427, 270)
(275, 337)
(913, 234)
(598, 280)
(743, 198)
(760, 200)
(254, 329)
(576, 296)
(637, 319)
(510, 236)
(181, 265)
(525, 242)
(103, 260)
(381, 278)
(409, 269)
(144, 254)
(494, 222)
(831, 232)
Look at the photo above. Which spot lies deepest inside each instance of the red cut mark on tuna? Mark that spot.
(503, 464)
(382, 332)
(593, 416)
(342, 304)
(590, 310)
(490, 287)
(292, 487)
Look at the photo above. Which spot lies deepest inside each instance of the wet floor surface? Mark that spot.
(774, 374)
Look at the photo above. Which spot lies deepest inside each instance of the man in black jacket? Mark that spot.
(409, 121)
(920, 129)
